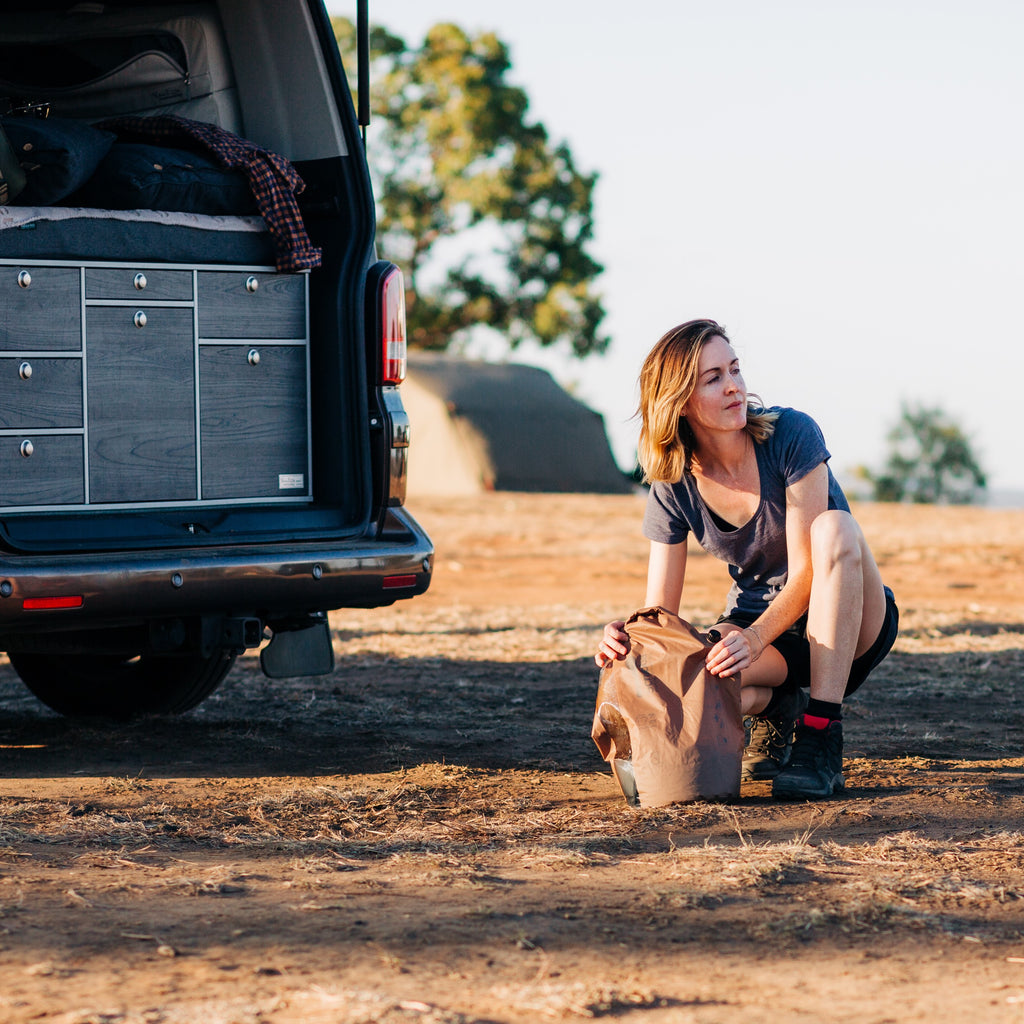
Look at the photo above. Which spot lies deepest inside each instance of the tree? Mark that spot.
(930, 461)
(489, 220)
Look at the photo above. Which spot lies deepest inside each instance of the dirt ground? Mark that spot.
(428, 835)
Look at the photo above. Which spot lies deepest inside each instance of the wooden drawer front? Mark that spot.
(43, 312)
(140, 285)
(37, 392)
(251, 305)
(142, 431)
(253, 421)
(54, 474)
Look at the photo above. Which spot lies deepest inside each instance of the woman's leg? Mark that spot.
(847, 605)
(844, 617)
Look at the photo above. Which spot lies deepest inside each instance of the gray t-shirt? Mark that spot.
(755, 551)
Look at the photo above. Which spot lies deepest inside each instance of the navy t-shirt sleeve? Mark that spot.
(800, 445)
(664, 520)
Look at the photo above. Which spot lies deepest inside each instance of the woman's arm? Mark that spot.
(666, 569)
(805, 501)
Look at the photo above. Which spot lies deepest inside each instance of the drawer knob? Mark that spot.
(24, 279)
(254, 357)
(140, 282)
(27, 448)
(25, 371)
(139, 319)
(252, 285)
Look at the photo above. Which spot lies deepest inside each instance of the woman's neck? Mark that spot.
(723, 455)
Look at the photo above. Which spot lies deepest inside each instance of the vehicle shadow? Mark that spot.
(381, 714)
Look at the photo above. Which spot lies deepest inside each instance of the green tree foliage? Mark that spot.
(489, 220)
(930, 461)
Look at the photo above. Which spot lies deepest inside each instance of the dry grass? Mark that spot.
(427, 835)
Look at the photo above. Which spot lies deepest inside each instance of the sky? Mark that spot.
(840, 184)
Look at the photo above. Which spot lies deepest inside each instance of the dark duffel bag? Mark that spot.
(12, 177)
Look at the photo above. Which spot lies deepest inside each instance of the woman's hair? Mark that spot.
(667, 380)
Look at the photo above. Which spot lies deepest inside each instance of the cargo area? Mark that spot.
(170, 373)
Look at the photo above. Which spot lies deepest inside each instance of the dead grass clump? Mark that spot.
(55, 823)
(552, 1000)
(746, 867)
(852, 917)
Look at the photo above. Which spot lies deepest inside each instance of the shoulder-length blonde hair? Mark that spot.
(667, 380)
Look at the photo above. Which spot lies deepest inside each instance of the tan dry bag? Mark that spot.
(671, 731)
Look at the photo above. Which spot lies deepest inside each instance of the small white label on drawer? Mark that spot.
(290, 481)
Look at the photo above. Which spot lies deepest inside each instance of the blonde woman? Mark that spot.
(807, 608)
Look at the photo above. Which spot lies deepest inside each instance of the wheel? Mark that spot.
(79, 685)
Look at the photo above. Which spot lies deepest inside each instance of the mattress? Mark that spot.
(150, 236)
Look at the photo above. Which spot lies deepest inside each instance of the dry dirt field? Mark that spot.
(428, 835)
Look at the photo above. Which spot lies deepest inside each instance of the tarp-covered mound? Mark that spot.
(500, 426)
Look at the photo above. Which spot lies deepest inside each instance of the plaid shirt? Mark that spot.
(273, 180)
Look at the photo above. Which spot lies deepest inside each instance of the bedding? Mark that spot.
(57, 154)
(132, 236)
(134, 176)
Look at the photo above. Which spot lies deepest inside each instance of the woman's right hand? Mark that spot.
(614, 644)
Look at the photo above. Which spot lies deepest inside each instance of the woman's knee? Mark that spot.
(835, 539)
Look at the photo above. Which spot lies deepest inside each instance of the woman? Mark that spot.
(807, 607)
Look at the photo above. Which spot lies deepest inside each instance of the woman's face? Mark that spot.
(719, 401)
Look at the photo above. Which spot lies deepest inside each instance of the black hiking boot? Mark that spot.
(770, 739)
(815, 768)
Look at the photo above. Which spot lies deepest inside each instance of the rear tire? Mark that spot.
(115, 686)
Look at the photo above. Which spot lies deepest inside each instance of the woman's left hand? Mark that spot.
(736, 651)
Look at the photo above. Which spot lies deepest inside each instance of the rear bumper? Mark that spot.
(264, 580)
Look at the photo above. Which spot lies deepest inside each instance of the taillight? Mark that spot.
(393, 343)
(40, 604)
(399, 582)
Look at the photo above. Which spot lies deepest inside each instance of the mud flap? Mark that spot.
(299, 652)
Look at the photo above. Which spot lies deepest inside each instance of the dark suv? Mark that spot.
(202, 442)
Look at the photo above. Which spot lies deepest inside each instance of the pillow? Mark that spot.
(57, 154)
(133, 176)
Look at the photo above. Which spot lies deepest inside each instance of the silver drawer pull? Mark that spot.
(25, 371)
(24, 279)
(254, 357)
(27, 448)
(139, 319)
(140, 282)
(252, 285)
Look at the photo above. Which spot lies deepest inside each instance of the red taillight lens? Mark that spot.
(399, 582)
(38, 604)
(393, 343)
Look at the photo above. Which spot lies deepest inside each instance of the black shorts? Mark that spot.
(796, 651)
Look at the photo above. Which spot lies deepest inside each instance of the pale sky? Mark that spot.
(840, 185)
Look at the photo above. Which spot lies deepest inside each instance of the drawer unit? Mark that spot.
(254, 424)
(138, 285)
(41, 469)
(40, 308)
(152, 385)
(251, 305)
(39, 392)
(142, 417)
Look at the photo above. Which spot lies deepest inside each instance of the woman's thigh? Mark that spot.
(873, 616)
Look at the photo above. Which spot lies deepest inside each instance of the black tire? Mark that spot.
(81, 685)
